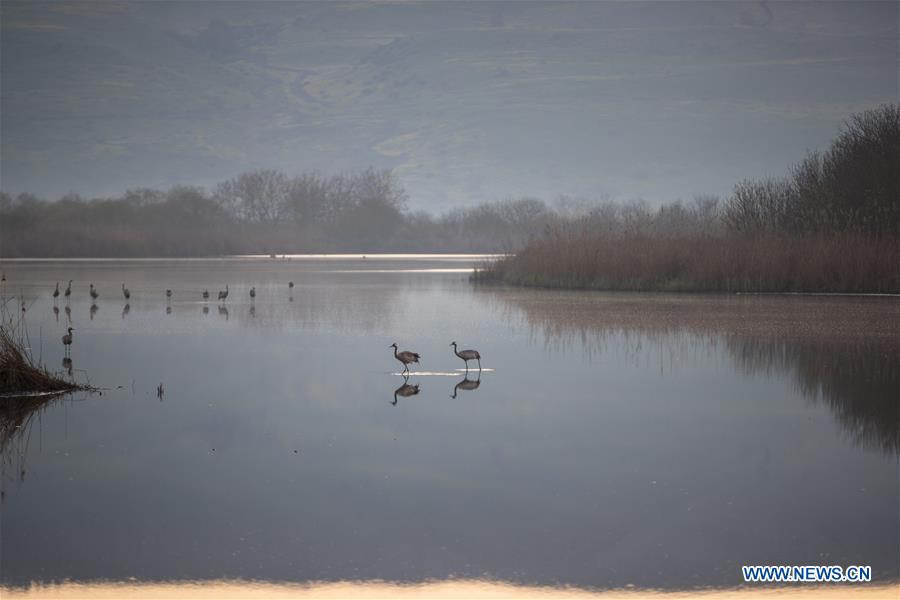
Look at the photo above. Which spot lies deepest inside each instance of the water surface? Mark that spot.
(652, 440)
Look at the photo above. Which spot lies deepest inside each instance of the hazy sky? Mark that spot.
(467, 101)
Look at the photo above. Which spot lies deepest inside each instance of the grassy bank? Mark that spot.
(835, 263)
(21, 375)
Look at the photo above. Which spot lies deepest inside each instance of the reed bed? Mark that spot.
(824, 264)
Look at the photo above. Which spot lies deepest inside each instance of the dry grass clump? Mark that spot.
(20, 373)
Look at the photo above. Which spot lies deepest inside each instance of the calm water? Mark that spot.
(614, 439)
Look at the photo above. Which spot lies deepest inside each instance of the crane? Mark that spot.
(406, 357)
(467, 355)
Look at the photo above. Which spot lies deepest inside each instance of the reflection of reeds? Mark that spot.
(841, 351)
(16, 414)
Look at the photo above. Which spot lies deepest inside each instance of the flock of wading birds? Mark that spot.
(405, 357)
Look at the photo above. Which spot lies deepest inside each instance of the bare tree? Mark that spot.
(259, 196)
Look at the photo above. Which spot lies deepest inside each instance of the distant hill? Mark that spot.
(466, 101)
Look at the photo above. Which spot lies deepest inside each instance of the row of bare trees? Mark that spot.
(262, 211)
(851, 188)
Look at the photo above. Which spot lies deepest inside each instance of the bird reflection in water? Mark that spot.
(126, 309)
(68, 314)
(168, 310)
(467, 384)
(223, 310)
(405, 391)
(252, 310)
(94, 309)
(67, 365)
(56, 313)
(205, 310)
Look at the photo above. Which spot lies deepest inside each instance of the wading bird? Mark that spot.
(126, 292)
(252, 293)
(206, 294)
(94, 294)
(223, 293)
(68, 290)
(56, 292)
(290, 285)
(67, 339)
(406, 357)
(467, 355)
(168, 294)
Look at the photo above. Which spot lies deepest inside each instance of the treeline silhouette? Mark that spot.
(831, 225)
(261, 212)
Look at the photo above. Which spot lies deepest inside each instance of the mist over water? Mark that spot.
(612, 439)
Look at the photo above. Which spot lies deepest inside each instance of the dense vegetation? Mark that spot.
(831, 225)
(261, 212)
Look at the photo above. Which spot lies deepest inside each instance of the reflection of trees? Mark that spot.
(841, 351)
(858, 379)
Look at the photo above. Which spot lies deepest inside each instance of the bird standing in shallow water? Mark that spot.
(223, 293)
(290, 285)
(56, 292)
(467, 355)
(206, 294)
(68, 290)
(94, 293)
(168, 294)
(67, 339)
(126, 292)
(406, 357)
(252, 293)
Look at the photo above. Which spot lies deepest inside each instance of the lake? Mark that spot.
(647, 440)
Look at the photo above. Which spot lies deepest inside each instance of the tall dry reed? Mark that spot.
(835, 263)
